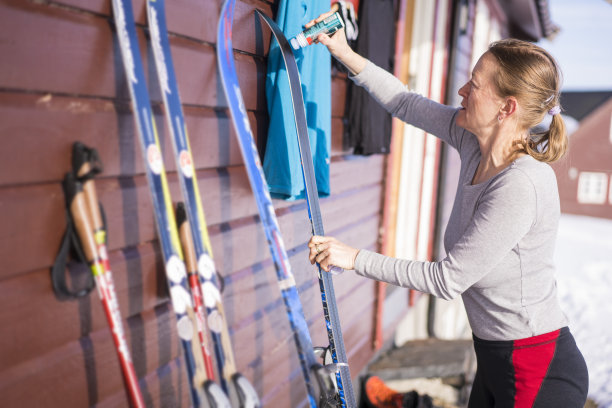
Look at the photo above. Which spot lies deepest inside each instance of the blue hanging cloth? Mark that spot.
(282, 159)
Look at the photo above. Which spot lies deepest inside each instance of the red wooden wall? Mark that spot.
(590, 150)
(61, 80)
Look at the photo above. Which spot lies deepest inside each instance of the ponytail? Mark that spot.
(551, 145)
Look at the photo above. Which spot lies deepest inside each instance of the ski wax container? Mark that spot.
(328, 26)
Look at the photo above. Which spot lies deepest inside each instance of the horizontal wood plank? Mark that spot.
(197, 20)
(92, 65)
(84, 371)
(40, 131)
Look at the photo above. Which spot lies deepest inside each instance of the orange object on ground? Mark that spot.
(377, 394)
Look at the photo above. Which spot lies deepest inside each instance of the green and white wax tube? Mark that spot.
(328, 26)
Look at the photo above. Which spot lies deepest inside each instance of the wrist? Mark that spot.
(354, 62)
(347, 56)
(354, 256)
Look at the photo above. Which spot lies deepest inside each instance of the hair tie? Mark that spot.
(555, 110)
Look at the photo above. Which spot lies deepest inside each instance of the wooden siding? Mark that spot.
(61, 80)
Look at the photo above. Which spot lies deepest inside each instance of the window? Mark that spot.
(592, 187)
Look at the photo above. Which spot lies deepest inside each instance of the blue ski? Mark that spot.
(330, 311)
(235, 384)
(202, 391)
(316, 377)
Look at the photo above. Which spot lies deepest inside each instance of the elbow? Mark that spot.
(444, 284)
(444, 290)
(448, 294)
(398, 106)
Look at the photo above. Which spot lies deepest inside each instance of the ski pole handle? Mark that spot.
(79, 213)
(85, 165)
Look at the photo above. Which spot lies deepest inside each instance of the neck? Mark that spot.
(497, 152)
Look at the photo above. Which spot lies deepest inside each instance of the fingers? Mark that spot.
(327, 40)
(318, 239)
(322, 259)
(323, 39)
(329, 252)
(316, 250)
(336, 44)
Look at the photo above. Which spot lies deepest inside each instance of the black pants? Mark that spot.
(545, 371)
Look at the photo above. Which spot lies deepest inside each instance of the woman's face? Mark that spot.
(481, 104)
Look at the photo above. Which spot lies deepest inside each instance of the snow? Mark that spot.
(583, 258)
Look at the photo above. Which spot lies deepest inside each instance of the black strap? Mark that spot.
(70, 244)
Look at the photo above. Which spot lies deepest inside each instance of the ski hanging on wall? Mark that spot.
(330, 310)
(320, 389)
(204, 282)
(203, 391)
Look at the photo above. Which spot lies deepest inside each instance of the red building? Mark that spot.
(585, 174)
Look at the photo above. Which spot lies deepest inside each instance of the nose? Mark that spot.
(464, 90)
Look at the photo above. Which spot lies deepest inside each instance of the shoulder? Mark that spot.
(538, 173)
(519, 183)
(526, 180)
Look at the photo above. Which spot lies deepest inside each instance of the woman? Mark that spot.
(501, 233)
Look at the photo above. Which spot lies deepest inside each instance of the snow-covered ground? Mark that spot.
(584, 262)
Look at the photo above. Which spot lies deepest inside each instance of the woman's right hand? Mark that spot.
(338, 46)
(329, 252)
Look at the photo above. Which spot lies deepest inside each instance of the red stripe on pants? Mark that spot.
(531, 358)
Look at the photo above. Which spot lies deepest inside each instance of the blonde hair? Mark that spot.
(532, 76)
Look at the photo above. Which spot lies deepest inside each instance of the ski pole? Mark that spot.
(85, 230)
(194, 284)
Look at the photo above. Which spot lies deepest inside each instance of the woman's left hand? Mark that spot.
(328, 252)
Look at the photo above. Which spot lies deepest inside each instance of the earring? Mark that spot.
(499, 118)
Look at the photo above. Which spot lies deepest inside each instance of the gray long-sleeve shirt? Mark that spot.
(500, 236)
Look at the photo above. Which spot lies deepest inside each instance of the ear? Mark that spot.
(509, 108)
